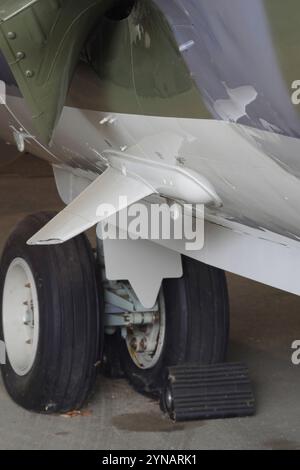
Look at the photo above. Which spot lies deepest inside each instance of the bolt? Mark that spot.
(20, 55)
(29, 341)
(11, 35)
(133, 344)
(29, 73)
(28, 286)
(143, 344)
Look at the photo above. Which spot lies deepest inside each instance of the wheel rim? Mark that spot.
(145, 343)
(20, 316)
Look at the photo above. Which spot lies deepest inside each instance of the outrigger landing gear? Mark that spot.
(55, 312)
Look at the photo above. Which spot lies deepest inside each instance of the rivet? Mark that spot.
(20, 55)
(29, 73)
(11, 35)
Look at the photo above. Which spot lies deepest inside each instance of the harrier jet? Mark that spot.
(186, 102)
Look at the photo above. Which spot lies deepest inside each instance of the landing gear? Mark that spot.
(55, 311)
(49, 320)
(190, 325)
(145, 342)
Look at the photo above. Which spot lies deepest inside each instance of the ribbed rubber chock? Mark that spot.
(197, 392)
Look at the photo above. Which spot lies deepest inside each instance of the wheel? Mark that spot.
(49, 320)
(191, 325)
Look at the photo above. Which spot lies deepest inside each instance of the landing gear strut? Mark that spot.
(190, 325)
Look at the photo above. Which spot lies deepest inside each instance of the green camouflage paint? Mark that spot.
(42, 44)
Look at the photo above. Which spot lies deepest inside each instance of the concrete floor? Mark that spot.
(264, 323)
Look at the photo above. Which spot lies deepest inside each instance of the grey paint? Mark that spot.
(233, 47)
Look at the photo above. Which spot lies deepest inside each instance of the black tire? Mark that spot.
(70, 331)
(197, 325)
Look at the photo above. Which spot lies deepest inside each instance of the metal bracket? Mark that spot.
(123, 309)
(20, 138)
(143, 263)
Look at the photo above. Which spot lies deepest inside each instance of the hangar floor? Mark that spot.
(264, 324)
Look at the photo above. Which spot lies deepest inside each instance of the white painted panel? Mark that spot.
(143, 263)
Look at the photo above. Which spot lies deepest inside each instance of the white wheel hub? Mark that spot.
(145, 342)
(20, 316)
